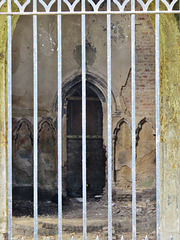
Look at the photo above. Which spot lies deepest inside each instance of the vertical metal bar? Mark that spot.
(59, 122)
(109, 121)
(157, 122)
(35, 119)
(133, 100)
(9, 61)
(83, 40)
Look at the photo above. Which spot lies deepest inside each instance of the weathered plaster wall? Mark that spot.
(96, 58)
(123, 176)
(146, 157)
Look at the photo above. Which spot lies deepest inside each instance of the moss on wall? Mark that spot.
(169, 120)
(3, 121)
(170, 164)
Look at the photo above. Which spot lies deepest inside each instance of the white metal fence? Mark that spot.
(166, 8)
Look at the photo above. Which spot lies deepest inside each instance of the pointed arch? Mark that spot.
(119, 123)
(17, 127)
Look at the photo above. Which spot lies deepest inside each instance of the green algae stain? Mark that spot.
(169, 80)
(3, 115)
(148, 183)
(169, 120)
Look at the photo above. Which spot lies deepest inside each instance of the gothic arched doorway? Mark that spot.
(95, 154)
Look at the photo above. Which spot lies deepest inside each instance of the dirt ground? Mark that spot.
(97, 214)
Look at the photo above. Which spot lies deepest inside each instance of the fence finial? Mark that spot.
(122, 238)
(171, 237)
(146, 238)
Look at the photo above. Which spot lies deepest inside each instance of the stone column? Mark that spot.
(3, 121)
(170, 154)
(3, 129)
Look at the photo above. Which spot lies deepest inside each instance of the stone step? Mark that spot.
(48, 228)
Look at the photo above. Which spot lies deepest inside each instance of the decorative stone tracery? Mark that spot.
(47, 160)
(23, 153)
(122, 156)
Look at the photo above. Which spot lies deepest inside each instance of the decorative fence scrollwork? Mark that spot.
(122, 7)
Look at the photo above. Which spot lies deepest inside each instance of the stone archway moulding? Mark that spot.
(98, 82)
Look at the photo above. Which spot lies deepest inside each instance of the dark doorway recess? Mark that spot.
(95, 154)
